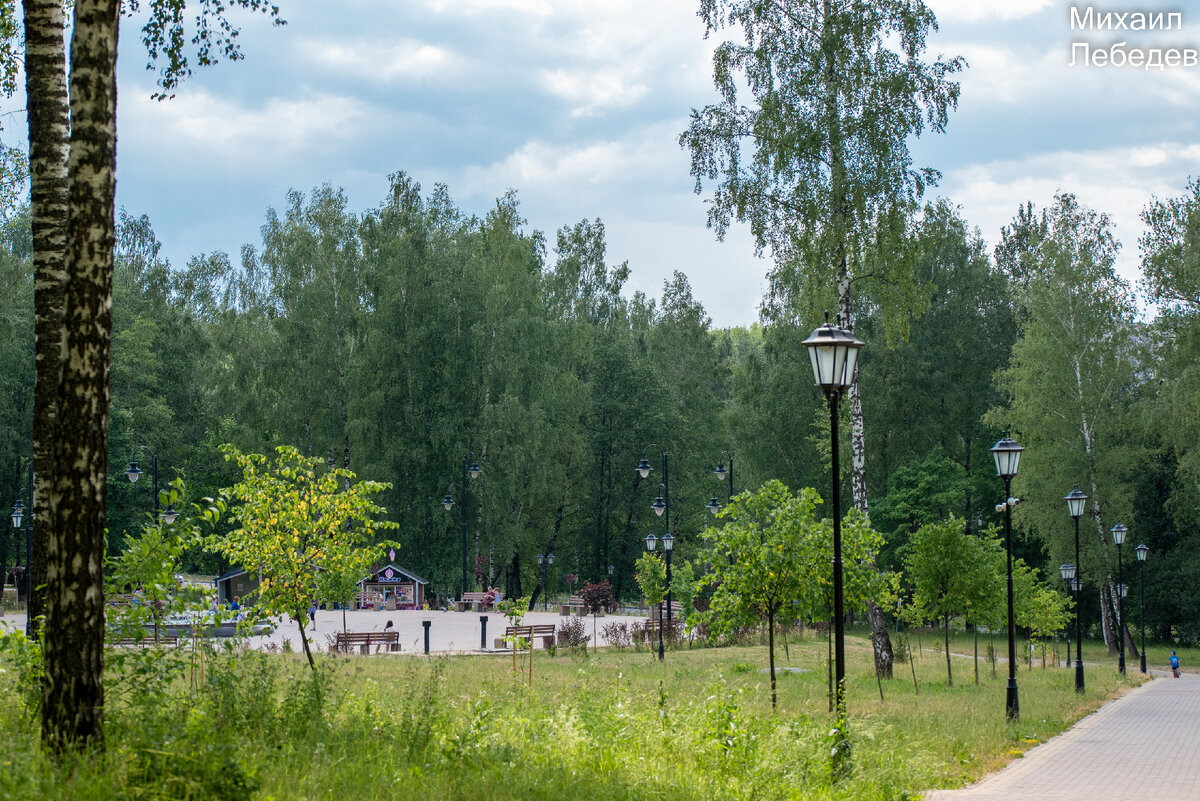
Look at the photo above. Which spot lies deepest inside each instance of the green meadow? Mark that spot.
(613, 724)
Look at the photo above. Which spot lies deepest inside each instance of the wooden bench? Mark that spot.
(365, 639)
(147, 641)
(676, 609)
(478, 601)
(545, 631)
(574, 605)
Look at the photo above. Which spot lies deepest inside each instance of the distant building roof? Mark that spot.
(396, 574)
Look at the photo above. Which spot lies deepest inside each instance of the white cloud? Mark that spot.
(1118, 181)
(590, 91)
(404, 58)
(985, 10)
(207, 126)
(646, 157)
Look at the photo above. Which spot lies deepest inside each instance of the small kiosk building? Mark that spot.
(392, 587)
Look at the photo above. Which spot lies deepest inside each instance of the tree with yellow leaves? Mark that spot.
(295, 518)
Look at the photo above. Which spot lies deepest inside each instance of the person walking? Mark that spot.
(1174, 664)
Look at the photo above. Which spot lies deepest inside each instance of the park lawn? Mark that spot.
(612, 725)
(1094, 652)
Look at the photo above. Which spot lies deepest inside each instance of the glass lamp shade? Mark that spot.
(643, 468)
(1076, 584)
(1076, 500)
(169, 514)
(18, 514)
(447, 502)
(1067, 572)
(133, 473)
(610, 570)
(1007, 454)
(713, 506)
(1118, 534)
(668, 542)
(473, 471)
(833, 352)
(721, 472)
(651, 541)
(549, 558)
(541, 559)
(1142, 552)
(1122, 589)
(659, 506)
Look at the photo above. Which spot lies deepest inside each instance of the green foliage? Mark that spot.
(651, 575)
(295, 518)
(945, 565)
(817, 162)
(683, 586)
(513, 609)
(261, 725)
(166, 35)
(143, 575)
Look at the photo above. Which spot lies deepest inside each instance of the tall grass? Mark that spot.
(612, 725)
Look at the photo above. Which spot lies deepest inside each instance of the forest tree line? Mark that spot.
(397, 341)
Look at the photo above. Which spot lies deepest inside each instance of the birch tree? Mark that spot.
(73, 175)
(1067, 385)
(817, 164)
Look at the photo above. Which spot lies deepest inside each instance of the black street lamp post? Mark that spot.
(473, 471)
(544, 561)
(721, 473)
(1118, 534)
(19, 513)
(1076, 501)
(661, 507)
(1007, 454)
(833, 352)
(133, 473)
(668, 543)
(1142, 552)
(1068, 575)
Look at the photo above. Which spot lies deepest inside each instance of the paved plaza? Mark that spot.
(449, 632)
(1145, 746)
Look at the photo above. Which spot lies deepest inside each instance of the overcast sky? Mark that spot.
(577, 105)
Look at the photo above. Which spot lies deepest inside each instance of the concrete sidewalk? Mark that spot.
(1145, 746)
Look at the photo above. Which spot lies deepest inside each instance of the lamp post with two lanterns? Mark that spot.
(19, 514)
(447, 503)
(661, 507)
(1118, 534)
(668, 543)
(1142, 552)
(1007, 454)
(544, 561)
(1068, 575)
(133, 473)
(1076, 501)
(721, 473)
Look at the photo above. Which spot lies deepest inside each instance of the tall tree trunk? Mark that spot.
(771, 650)
(49, 145)
(72, 681)
(946, 640)
(304, 643)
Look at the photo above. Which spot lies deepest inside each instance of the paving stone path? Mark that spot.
(1145, 746)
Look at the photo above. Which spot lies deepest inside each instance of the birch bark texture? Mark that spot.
(49, 143)
(72, 682)
(817, 163)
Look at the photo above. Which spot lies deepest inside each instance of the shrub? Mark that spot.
(618, 634)
(572, 633)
